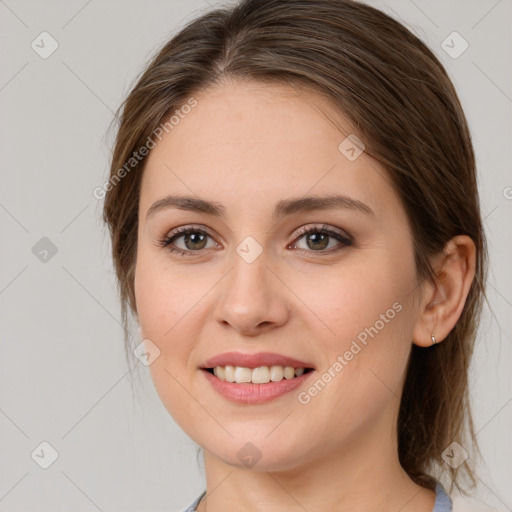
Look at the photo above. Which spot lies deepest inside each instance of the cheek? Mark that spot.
(162, 293)
(365, 319)
(371, 315)
(163, 309)
(348, 302)
(170, 305)
(162, 315)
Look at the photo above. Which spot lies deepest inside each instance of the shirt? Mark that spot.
(443, 501)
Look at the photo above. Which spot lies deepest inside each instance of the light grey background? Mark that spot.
(64, 378)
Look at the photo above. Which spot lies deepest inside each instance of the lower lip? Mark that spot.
(255, 393)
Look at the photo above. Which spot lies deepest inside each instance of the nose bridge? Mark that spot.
(249, 283)
(251, 299)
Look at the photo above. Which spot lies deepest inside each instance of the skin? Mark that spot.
(248, 145)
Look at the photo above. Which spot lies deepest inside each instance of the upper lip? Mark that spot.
(254, 360)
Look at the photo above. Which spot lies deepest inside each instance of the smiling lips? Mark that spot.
(255, 378)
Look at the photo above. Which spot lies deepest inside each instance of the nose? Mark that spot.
(253, 299)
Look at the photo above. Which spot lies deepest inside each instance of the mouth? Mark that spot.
(253, 386)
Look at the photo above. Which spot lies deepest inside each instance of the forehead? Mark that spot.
(245, 144)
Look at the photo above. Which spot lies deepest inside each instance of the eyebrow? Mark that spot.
(282, 208)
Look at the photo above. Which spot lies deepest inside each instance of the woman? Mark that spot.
(296, 228)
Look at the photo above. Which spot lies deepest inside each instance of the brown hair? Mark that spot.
(400, 100)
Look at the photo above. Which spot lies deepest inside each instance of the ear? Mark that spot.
(442, 302)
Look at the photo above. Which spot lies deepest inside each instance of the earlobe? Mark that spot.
(444, 300)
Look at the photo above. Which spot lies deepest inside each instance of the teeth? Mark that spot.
(229, 373)
(289, 372)
(260, 375)
(243, 374)
(220, 372)
(276, 373)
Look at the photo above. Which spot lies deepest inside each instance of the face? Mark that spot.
(339, 299)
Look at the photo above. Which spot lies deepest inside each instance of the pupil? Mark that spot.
(195, 238)
(322, 237)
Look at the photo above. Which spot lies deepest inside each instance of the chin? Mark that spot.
(259, 454)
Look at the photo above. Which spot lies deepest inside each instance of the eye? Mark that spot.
(318, 239)
(194, 240)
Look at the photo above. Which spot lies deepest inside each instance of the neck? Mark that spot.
(361, 475)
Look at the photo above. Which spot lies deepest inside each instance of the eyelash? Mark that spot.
(179, 232)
